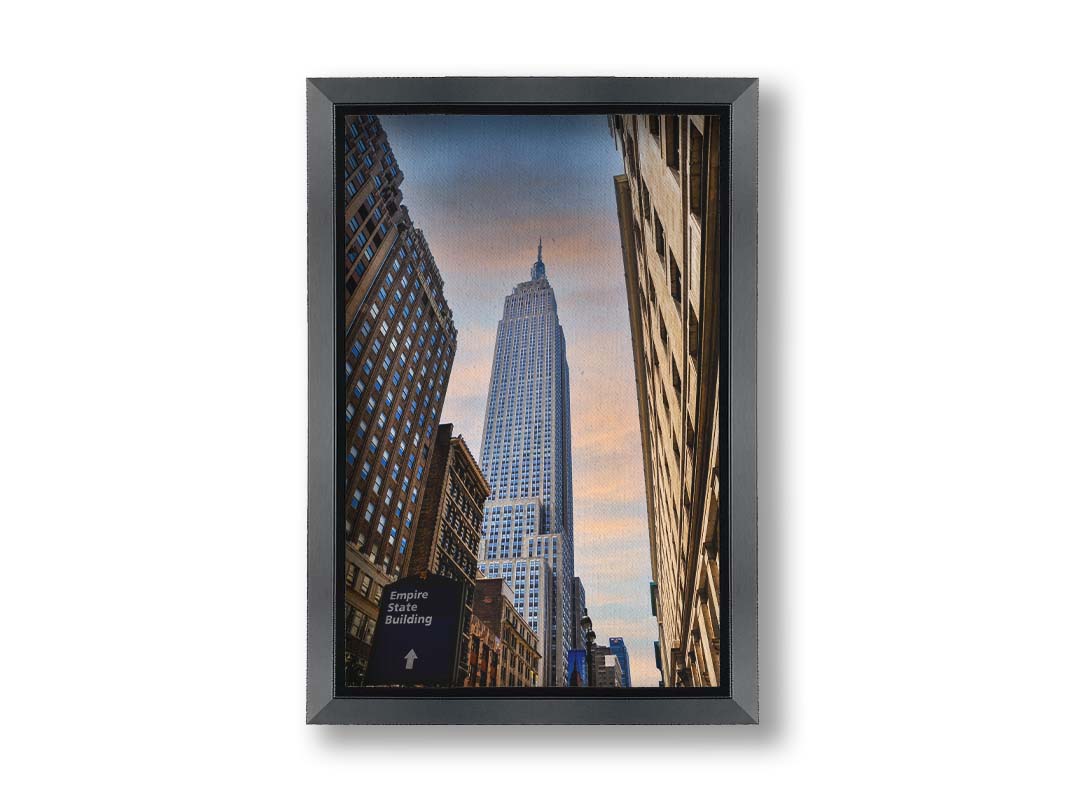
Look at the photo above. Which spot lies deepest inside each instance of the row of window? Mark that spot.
(394, 353)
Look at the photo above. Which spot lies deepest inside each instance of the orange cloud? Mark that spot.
(620, 486)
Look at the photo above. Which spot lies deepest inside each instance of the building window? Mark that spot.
(676, 280)
(661, 245)
(694, 334)
(355, 629)
(674, 144)
(696, 159)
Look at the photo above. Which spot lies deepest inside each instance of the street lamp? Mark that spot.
(590, 648)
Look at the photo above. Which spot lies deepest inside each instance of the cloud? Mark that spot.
(617, 487)
(470, 378)
(597, 431)
(605, 529)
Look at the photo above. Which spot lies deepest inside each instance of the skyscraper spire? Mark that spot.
(538, 269)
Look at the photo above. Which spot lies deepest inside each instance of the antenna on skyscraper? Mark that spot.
(537, 271)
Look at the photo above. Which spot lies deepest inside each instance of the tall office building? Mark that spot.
(578, 607)
(450, 526)
(622, 655)
(526, 456)
(669, 223)
(399, 346)
(608, 669)
(577, 668)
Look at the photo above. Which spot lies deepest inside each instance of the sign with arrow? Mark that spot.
(417, 638)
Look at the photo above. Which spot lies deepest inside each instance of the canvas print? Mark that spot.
(531, 393)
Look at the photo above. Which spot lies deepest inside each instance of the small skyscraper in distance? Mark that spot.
(526, 457)
(608, 669)
(577, 610)
(618, 647)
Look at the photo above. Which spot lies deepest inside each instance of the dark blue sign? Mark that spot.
(417, 638)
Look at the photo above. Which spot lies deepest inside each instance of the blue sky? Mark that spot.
(483, 189)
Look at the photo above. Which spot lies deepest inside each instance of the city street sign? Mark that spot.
(416, 641)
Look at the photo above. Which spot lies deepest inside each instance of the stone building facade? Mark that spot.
(400, 342)
(450, 524)
(518, 662)
(670, 226)
(483, 655)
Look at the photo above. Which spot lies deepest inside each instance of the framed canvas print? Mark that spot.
(532, 345)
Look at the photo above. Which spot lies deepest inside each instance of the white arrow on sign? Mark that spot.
(410, 659)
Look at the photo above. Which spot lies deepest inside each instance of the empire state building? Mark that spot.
(528, 530)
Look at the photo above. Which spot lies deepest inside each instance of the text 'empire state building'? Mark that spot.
(528, 529)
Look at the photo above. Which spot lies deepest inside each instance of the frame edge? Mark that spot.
(322, 411)
(322, 704)
(743, 489)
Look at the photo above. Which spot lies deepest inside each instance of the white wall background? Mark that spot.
(912, 397)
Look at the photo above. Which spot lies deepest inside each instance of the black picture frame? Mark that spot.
(736, 702)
